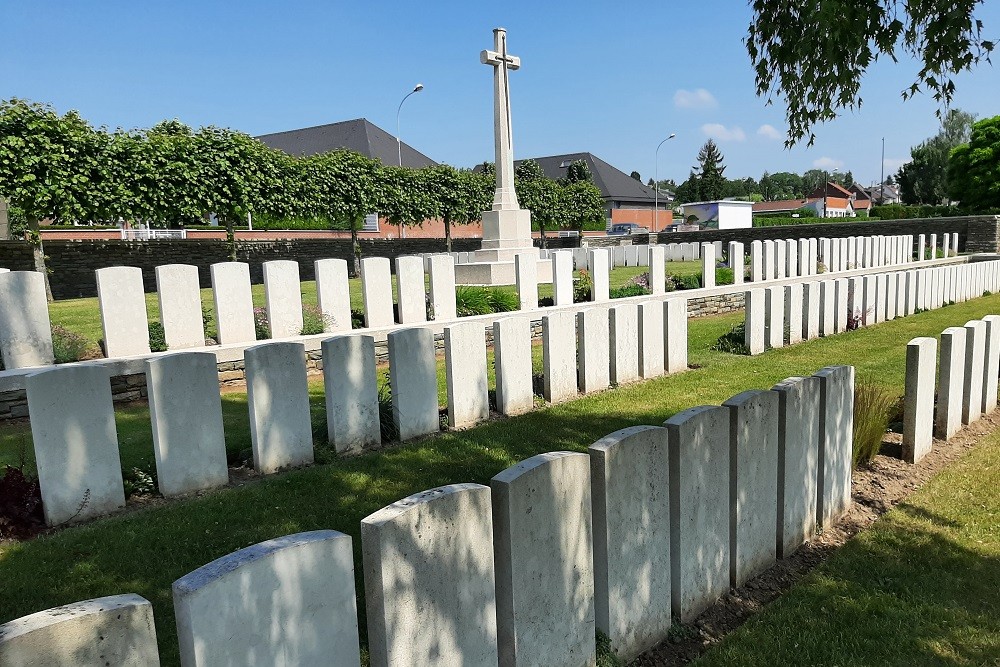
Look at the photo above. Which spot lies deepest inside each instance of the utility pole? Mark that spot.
(881, 183)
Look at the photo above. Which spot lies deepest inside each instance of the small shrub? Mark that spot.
(583, 287)
(724, 276)
(357, 319)
(313, 321)
(208, 322)
(471, 300)
(20, 504)
(605, 654)
(139, 482)
(733, 341)
(157, 337)
(821, 267)
(68, 346)
(642, 280)
(873, 406)
(503, 300)
(629, 290)
(689, 281)
(260, 323)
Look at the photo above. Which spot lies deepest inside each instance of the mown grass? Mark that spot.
(144, 551)
(83, 316)
(918, 588)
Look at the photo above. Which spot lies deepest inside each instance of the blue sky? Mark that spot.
(611, 78)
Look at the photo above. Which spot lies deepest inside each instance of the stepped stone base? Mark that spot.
(497, 273)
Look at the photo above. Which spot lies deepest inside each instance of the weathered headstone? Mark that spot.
(351, 388)
(113, 630)
(631, 500)
(753, 483)
(289, 600)
(185, 410)
(798, 461)
(76, 442)
(699, 509)
(836, 440)
(429, 579)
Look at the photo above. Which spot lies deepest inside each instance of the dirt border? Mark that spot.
(875, 489)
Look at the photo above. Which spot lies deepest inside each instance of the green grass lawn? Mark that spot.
(145, 550)
(83, 316)
(919, 588)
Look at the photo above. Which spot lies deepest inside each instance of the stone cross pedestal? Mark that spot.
(506, 227)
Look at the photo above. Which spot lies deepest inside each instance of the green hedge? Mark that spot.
(784, 222)
(901, 212)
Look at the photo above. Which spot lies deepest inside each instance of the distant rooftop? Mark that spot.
(358, 135)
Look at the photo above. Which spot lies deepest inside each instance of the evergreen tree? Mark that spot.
(710, 170)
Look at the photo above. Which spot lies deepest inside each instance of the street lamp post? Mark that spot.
(399, 146)
(656, 185)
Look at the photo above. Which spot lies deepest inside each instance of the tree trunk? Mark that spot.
(38, 255)
(355, 250)
(231, 239)
(447, 234)
(541, 228)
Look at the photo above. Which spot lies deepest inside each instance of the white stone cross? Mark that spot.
(505, 197)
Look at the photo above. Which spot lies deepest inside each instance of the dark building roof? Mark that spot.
(358, 135)
(614, 184)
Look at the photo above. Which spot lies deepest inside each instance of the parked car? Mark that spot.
(627, 228)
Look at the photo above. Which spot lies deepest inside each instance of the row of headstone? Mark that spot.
(522, 571)
(788, 314)
(966, 383)
(75, 437)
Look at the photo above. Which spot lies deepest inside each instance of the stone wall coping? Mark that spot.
(13, 380)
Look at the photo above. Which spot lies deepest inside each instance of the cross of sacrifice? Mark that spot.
(505, 197)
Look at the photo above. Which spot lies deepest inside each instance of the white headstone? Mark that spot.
(333, 296)
(287, 601)
(123, 311)
(562, 278)
(753, 483)
(113, 630)
(794, 311)
(991, 363)
(283, 295)
(185, 411)
(351, 388)
(918, 399)
(512, 358)
(526, 270)
(413, 380)
(593, 350)
(376, 291)
(707, 265)
(25, 331)
(442, 279)
(278, 399)
(76, 442)
(755, 322)
(798, 461)
(429, 579)
(559, 356)
(631, 499)
(774, 305)
(657, 269)
(600, 289)
(233, 303)
(411, 298)
(836, 440)
(651, 335)
(624, 329)
(699, 509)
(975, 360)
(465, 370)
(179, 294)
(675, 323)
(544, 561)
(736, 262)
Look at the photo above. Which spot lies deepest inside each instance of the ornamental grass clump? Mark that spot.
(873, 407)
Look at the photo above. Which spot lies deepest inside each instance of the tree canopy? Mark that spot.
(813, 55)
(974, 168)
